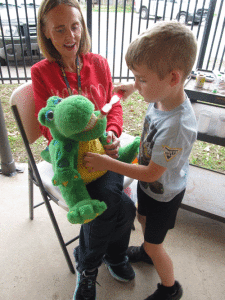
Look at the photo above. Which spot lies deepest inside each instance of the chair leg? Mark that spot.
(51, 214)
(64, 249)
(59, 235)
(31, 192)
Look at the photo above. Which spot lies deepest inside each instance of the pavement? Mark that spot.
(33, 266)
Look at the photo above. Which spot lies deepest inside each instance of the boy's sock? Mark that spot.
(174, 292)
(170, 289)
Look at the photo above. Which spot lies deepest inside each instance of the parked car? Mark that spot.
(185, 11)
(18, 34)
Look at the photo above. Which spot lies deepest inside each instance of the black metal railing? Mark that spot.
(113, 24)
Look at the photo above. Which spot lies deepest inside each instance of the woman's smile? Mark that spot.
(70, 46)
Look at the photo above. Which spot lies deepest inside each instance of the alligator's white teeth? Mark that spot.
(91, 124)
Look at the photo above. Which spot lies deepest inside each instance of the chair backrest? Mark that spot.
(23, 98)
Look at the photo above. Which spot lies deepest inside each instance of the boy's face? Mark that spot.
(149, 85)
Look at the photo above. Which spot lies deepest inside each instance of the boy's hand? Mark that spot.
(126, 88)
(96, 161)
(113, 145)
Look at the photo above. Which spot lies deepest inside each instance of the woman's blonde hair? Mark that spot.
(46, 46)
(165, 47)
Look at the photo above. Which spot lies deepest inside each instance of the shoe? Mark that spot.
(121, 271)
(162, 294)
(86, 284)
(137, 254)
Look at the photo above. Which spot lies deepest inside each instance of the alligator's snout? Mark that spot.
(92, 122)
(73, 115)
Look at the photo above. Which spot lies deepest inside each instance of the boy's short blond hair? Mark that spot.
(165, 47)
(45, 45)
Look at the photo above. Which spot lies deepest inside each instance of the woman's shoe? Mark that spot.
(137, 254)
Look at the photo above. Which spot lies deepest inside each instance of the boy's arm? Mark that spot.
(149, 173)
(126, 88)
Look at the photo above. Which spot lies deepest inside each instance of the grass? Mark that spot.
(203, 154)
(111, 8)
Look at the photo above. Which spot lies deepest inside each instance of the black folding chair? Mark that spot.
(22, 104)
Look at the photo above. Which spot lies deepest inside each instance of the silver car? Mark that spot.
(18, 34)
(183, 10)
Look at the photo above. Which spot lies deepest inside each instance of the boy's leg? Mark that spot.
(162, 263)
(156, 219)
(159, 257)
(169, 289)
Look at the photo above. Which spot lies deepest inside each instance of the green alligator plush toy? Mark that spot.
(76, 129)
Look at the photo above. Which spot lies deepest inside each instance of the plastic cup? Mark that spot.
(204, 121)
(221, 127)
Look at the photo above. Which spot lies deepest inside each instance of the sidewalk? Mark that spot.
(34, 268)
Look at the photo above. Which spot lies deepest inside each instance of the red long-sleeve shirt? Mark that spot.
(96, 85)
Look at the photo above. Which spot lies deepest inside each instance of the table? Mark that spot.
(205, 94)
(203, 101)
(212, 130)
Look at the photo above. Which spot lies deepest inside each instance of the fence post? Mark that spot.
(208, 25)
(7, 161)
(89, 17)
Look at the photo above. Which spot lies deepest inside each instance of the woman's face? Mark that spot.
(63, 27)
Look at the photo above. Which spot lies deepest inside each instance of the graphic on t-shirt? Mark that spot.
(170, 153)
(147, 144)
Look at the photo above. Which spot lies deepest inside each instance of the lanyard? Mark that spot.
(78, 78)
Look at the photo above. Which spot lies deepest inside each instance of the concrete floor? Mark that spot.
(33, 267)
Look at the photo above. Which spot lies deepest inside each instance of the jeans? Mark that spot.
(109, 233)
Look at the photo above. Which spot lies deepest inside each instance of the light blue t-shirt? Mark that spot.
(167, 139)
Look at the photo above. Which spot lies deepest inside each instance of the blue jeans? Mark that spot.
(110, 232)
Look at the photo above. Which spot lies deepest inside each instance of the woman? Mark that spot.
(70, 69)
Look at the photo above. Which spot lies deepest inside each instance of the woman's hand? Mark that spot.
(96, 162)
(113, 148)
(126, 88)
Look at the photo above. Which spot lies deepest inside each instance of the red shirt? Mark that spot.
(96, 85)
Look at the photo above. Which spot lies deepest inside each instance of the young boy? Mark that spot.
(160, 59)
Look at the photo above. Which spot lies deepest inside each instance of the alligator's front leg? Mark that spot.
(82, 209)
(126, 153)
(129, 152)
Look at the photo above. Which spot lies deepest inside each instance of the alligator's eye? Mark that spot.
(49, 115)
(57, 101)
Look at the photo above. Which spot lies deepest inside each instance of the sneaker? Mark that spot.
(137, 254)
(86, 283)
(121, 271)
(162, 294)
(85, 286)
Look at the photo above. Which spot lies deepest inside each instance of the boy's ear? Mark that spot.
(175, 77)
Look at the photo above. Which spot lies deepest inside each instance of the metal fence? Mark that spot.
(113, 24)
